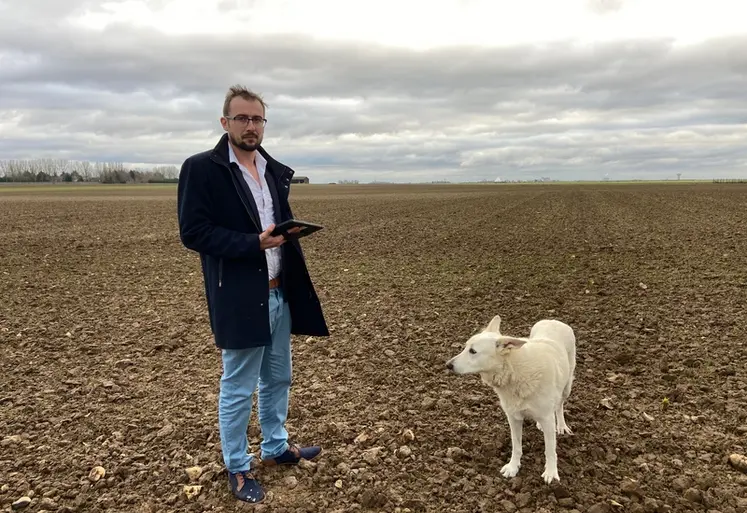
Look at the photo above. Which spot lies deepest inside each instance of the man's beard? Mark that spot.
(241, 143)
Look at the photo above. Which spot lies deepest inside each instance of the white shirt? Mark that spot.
(265, 207)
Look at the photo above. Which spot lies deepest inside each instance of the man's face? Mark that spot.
(242, 132)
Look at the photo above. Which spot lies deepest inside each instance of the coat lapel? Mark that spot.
(276, 175)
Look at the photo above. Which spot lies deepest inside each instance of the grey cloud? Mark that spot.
(42, 12)
(556, 110)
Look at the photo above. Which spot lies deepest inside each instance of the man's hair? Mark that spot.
(243, 92)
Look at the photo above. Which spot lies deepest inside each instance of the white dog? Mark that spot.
(532, 377)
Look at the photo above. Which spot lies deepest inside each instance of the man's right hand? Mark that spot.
(267, 241)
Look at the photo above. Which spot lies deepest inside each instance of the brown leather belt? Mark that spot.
(275, 282)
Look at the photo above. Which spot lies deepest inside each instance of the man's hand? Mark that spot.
(267, 241)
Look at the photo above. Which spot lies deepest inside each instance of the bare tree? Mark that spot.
(86, 171)
(168, 172)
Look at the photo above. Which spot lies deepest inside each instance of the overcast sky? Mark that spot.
(394, 90)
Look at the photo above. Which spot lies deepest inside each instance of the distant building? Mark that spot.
(300, 179)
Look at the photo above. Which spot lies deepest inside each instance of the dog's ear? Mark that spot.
(495, 325)
(509, 342)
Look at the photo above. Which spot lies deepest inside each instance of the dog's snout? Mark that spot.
(449, 365)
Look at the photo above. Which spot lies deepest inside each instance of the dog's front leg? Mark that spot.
(512, 467)
(551, 457)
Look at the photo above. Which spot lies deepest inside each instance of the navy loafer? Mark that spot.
(245, 487)
(293, 455)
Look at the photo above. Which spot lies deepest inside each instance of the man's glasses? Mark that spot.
(244, 120)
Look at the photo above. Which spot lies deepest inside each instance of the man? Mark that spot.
(257, 286)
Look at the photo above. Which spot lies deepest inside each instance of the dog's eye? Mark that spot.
(472, 350)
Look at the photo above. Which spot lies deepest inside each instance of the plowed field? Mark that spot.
(107, 359)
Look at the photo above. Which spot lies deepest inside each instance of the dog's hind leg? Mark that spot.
(512, 467)
(568, 386)
(551, 457)
(561, 427)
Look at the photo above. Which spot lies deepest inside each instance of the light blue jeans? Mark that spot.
(243, 369)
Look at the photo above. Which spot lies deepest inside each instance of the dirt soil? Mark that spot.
(107, 360)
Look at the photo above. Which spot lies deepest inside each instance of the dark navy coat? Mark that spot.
(218, 218)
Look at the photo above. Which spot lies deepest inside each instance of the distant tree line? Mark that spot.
(59, 170)
(730, 180)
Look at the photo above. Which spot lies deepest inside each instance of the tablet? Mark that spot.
(306, 228)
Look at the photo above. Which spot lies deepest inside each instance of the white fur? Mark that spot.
(532, 377)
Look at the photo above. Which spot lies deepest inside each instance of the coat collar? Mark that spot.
(278, 170)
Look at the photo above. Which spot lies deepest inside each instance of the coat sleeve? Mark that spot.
(196, 228)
